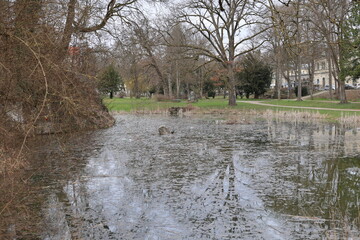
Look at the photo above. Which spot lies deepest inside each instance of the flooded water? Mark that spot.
(208, 180)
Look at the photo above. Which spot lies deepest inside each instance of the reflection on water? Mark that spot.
(264, 180)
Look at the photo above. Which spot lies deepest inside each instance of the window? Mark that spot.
(323, 65)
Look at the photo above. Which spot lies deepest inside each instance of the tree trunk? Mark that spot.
(342, 76)
(201, 83)
(232, 85)
(277, 73)
(177, 81)
(287, 78)
(341, 81)
(136, 87)
(342, 92)
(330, 75)
(298, 58)
(278, 81)
(170, 85)
(298, 75)
(67, 32)
(311, 77)
(188, 90)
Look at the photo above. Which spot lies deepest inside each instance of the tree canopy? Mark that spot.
(254, 76)
(110, 81)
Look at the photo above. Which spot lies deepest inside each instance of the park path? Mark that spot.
(315, 94)
(312, 108)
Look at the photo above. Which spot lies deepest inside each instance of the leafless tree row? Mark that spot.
(53, 50)
(313, 29)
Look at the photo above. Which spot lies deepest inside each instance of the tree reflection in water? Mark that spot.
(265, 180)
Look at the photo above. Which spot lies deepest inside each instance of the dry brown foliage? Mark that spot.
(46, 85)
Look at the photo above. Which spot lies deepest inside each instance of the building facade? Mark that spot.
(321, 76)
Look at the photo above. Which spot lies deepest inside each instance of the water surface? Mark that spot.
(208, 180)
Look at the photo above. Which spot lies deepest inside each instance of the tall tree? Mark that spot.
(110, 81)
(224, 24)
(330, 17)
(151, 42)
(287, 20)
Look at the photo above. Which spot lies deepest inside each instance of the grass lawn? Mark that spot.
(328, 99)
(314, 103)
(133, 104)
(128, 104)
(332, 115)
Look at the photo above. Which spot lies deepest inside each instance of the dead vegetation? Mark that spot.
(350, 120)
(47, 84)
(294, 116)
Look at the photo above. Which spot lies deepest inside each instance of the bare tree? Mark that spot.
(151, 42)
(329, 18)
(82, 23)
(224, 24)
(46, 80)
(288, 20)
(176, 55)
(187, 66)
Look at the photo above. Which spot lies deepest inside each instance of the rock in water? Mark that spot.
(164, 130)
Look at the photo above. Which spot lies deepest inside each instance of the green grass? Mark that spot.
(328, 99)
(219, 103)
(331, 114)
(132, 104)
(314, 103)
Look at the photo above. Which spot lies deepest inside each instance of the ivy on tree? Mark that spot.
(110, 81)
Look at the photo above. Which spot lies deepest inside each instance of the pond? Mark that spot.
(209, 180)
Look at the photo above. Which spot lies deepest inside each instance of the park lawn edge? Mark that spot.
(145, 105)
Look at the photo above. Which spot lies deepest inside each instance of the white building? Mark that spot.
(321, 76)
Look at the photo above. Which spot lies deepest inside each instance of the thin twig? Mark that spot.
(36, 55)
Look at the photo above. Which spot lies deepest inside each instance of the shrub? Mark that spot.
(304, 91)
(211, 94)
